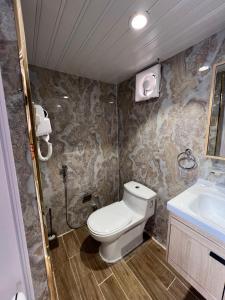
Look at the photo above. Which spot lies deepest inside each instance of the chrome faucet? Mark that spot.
(217, 172)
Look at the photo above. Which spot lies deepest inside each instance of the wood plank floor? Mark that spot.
(80, 274)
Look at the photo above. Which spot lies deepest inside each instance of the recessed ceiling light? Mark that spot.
(65, 97)
(111, 102)
(139, 21)
(203, 68)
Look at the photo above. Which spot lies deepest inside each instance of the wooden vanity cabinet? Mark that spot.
(197, 257)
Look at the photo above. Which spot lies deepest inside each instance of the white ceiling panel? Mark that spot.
(29, 22)
(131, 37)
(117, 34)
(51, 12)
(70, 21)
(145, 52)
(92, 38)
(89, 24)
(109, 21)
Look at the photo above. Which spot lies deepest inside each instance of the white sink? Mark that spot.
(203, 205)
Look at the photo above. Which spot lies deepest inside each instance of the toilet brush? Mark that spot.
(52, 236)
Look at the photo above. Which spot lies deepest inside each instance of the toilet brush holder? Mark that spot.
(52, 236)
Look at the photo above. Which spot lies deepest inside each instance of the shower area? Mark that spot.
(84, 121)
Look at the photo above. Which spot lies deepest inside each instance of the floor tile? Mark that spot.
(180, 291)
(163, 273)
(143, 271)
(90, 248)
(112, 290)
(136, 251)
(58, 255)
(80, 273)
(157, 250)
(87, 284)
(67, 287)
(160, 253)
(71, 243)
(82, 233)
(128, 281)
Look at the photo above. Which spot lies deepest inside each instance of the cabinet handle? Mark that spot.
(217, 257)
(220, 260)
(223, 292)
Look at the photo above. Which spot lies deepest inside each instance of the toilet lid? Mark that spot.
(110, 218)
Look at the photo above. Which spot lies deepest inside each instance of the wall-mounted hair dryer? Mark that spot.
(43, 129)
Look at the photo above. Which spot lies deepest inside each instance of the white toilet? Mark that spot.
(119, 226)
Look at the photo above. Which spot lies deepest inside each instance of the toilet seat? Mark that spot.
(119, 226)
(110, 219)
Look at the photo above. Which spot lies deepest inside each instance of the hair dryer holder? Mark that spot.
(45, 138)
(43, 129)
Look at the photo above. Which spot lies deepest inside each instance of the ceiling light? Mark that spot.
(139, 21)
(65, 97)
(203, 68)
(111, 102)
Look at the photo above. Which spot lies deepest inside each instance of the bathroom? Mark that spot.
(111, 149)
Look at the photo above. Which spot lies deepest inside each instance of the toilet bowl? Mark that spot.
(119, 226)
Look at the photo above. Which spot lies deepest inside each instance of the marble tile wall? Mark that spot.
(153, 133)
(9, 65)
(84, 138)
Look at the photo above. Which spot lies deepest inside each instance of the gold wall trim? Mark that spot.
(212, 88)
(32, 139)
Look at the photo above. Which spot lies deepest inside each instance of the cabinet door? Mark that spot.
(199, 258)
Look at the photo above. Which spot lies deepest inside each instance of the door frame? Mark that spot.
(33, 141)
(10, 171)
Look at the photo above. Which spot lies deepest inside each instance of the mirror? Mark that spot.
(216, 124)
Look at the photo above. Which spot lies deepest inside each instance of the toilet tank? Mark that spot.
(139, 198)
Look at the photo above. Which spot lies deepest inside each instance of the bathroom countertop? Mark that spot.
(202, 205)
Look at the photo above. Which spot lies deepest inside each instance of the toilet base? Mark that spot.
(114, 251)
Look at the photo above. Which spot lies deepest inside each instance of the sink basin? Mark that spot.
(203, 205)
(210, 207)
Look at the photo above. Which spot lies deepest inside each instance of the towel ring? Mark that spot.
(187, 157)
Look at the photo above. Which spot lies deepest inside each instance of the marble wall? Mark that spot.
(153, 133)
(9, 64)
(84, 138)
